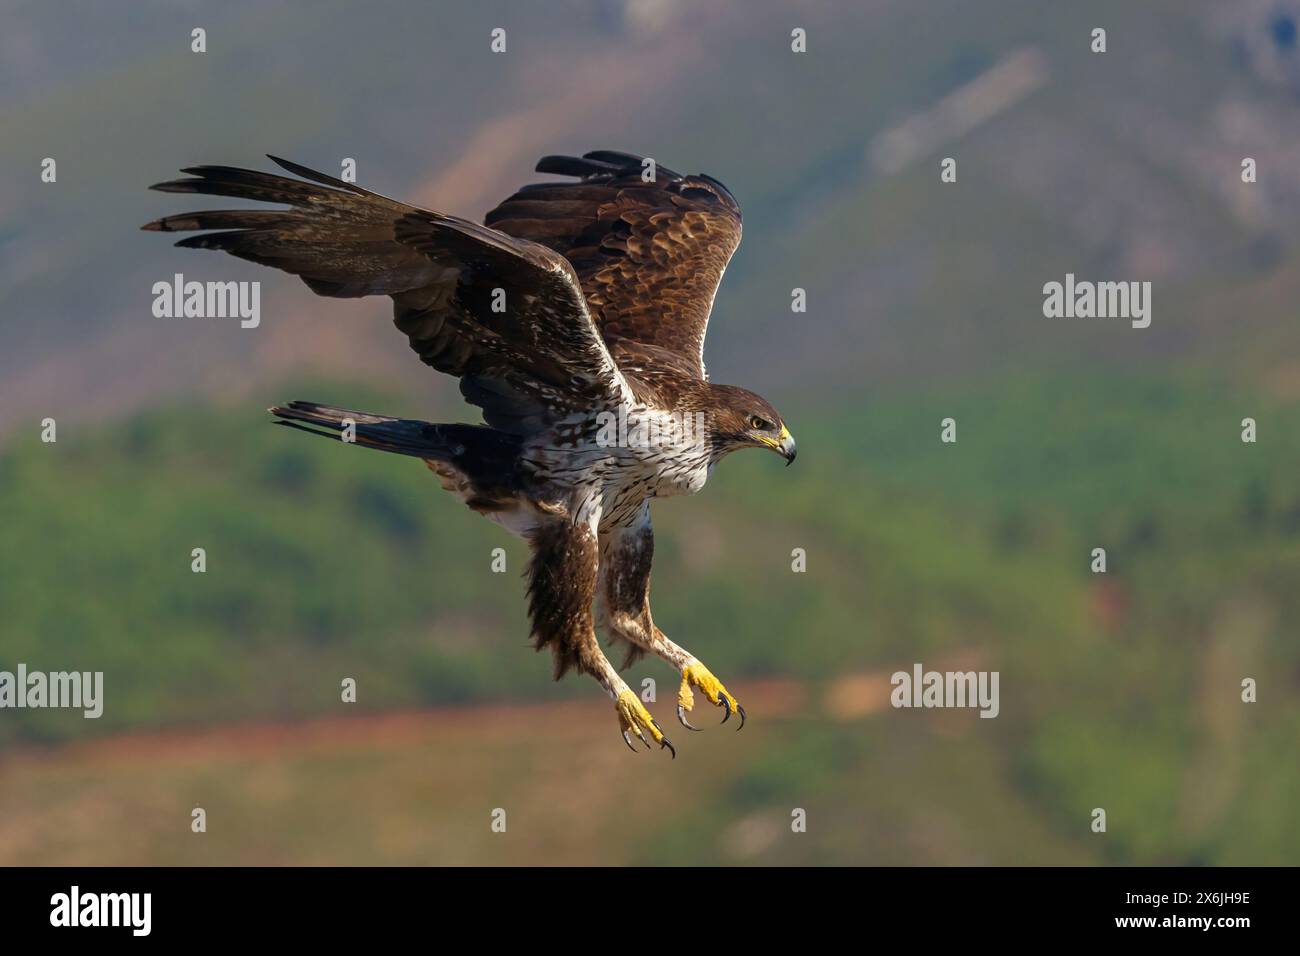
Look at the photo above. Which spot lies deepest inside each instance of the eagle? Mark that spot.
(574, 317)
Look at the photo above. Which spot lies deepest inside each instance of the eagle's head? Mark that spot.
(737, 418)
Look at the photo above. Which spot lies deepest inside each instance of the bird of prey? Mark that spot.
(574, 318)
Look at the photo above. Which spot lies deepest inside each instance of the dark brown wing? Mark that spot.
(649, 255)
(505, 315)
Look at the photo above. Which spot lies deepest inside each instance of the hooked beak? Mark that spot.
(786, 446)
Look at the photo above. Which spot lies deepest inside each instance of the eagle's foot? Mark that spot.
(633, 718)
(696, 674)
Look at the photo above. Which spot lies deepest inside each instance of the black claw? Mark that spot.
(628, 740)
(665, 742)
(641, 736)
(681, 717)
(726, 705)
(741, 710)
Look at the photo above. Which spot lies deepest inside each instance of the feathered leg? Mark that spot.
(561, 586)
(624, 602)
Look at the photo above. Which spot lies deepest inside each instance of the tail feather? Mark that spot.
(485, 454)
(401, 436)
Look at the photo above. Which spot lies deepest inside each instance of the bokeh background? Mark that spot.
(1119, 691)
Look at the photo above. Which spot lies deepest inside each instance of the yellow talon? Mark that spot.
(697, 674)
(634, 718)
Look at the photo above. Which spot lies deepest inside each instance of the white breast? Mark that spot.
(642, 453)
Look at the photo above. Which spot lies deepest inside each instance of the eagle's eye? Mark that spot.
(759, 424)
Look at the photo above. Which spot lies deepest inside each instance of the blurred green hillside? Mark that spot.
(327, 561)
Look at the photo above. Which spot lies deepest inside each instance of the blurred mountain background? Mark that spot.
(1119, 691)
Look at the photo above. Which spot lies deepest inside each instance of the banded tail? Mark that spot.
(485, 456)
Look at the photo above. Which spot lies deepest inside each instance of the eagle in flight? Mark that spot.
(574, 317)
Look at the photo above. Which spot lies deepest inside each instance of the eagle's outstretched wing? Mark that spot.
(505, 315)
(649, 255)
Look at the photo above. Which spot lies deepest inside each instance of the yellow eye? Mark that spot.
(758, 424)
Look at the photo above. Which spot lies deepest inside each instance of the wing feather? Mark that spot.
(649, 256)
(534, 361)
